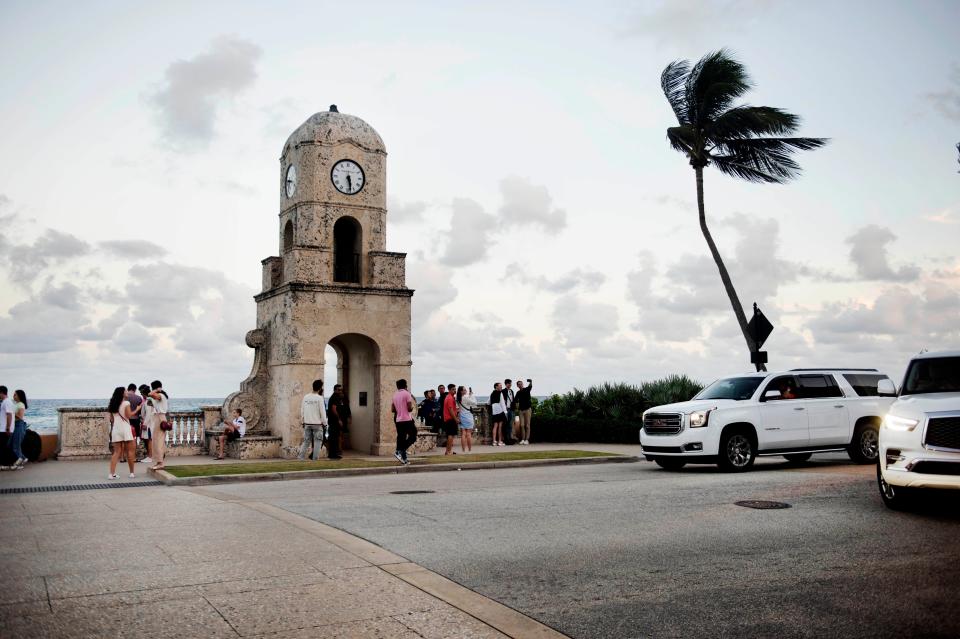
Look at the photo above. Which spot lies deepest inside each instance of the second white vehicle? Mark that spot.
(794, 413)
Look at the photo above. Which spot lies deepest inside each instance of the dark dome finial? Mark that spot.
(333, 108)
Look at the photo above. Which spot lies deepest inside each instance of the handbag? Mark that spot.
(165, 425)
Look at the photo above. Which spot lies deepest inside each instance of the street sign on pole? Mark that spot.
(759, 327)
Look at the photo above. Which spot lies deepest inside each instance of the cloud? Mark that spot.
(133, 249)
(434, 288)
(134, 338)
(196, 89)
(26, 262)
(470, 235)
(582, 324)
(947, 102)
(525, 203)
(404, 212)
(563, 283)
(946, 216)
(868, 252)
(689, 22)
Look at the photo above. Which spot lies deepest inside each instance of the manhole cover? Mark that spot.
(759, 504)
(411, 492)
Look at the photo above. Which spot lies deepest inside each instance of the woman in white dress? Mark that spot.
(121, 432)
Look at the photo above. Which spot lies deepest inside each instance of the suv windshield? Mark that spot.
(739, 388)
(933, 375)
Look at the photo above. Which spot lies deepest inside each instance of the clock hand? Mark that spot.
(349, 183)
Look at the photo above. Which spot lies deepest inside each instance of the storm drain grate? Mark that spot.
(411, 492)
(55, 489)
(759, 504)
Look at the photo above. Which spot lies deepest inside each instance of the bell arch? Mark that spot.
(358, 371)
(347, 247)
(288, 236)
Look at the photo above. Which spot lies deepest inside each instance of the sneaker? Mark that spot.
(133, 476)
(399, 455)
(113, 476)
(19, 462)
(146, 460)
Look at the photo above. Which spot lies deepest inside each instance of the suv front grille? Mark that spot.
(662, 423)
(943, 432)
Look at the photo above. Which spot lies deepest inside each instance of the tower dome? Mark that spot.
(332, 127)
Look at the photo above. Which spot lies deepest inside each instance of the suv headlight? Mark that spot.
(899, 423)
(699, 419)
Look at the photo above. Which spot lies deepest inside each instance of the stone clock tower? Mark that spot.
(333, 283)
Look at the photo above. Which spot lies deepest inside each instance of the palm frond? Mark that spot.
(682, 138)
(713, 84)
(747, 121)
(672, 82)
(745, 170)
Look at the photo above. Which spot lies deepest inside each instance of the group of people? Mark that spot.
(449, 411)
(138, 413)
(12, 412)
(324, 425)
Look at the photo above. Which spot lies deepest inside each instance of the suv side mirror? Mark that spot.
(886, 387)
(771, 394)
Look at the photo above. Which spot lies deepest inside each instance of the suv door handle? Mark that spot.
(799, 408)
(838, 405)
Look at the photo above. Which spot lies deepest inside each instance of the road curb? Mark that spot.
(171, 480)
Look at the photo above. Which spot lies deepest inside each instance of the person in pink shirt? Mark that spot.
(402, 409)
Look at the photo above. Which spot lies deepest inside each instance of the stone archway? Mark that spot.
(358, 370)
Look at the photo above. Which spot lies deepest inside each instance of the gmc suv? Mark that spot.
(794, 413)
(920, 436)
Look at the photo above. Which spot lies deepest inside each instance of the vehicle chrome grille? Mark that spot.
(943, 432)
(662, 423)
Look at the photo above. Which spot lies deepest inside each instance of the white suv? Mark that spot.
(794, 413)
(920, 436)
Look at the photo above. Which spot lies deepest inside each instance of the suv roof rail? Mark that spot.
(871, 370)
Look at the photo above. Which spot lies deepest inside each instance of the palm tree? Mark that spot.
(742, 141)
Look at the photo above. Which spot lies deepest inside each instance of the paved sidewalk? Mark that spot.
(171, 562)
(74, 473)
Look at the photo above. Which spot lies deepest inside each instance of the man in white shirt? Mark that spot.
(234, 430)
(8, 411)
(313, 414)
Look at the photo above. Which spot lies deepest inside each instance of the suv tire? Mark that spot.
(798, 458)
(865, 446)
(894, 497)
(738, 449)
(669, 463)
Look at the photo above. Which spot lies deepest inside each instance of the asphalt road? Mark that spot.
(630, 550)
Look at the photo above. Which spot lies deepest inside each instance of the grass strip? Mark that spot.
(285, 466)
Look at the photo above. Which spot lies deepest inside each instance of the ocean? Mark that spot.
(42, 415)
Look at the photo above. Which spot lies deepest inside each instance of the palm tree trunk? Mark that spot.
(724, 275)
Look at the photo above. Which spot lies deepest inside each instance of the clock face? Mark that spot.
(290, 183)
(347, 176)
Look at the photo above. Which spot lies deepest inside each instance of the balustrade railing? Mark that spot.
(187, 428)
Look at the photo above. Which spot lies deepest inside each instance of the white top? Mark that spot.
(241, 425)
(312, 410)
(162, 405)
(7, 407)
(498, 408)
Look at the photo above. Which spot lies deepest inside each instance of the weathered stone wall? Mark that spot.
(84, 433)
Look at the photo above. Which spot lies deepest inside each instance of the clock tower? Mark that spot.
(333, 283)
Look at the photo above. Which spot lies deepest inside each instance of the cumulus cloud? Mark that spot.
(583, 324)
(194, 90)
(947, 102)
(471, 231)
(868, 252)
(405, 212)
(562, 283)
(133, 249)
(434, 288)
(26, 262)
(525, 203)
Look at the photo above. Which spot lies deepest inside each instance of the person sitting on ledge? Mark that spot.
(234, 430)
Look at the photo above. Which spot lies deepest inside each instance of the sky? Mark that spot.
(551, 233)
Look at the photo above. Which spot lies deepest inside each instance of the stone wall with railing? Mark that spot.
(84, 433)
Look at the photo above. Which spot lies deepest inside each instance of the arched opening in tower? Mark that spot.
(346, 250)
(352, 360)
(288, 236)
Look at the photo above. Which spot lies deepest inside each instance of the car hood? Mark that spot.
(691, 406)
(926, 403)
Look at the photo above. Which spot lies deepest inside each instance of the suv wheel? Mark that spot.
(669, 463)
(894, 497)
(865, 447)
(737, 451)
(798, 458)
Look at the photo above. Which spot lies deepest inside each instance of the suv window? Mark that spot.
(786, 384)
(865, 384)
(818, 386)
(933, 375)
